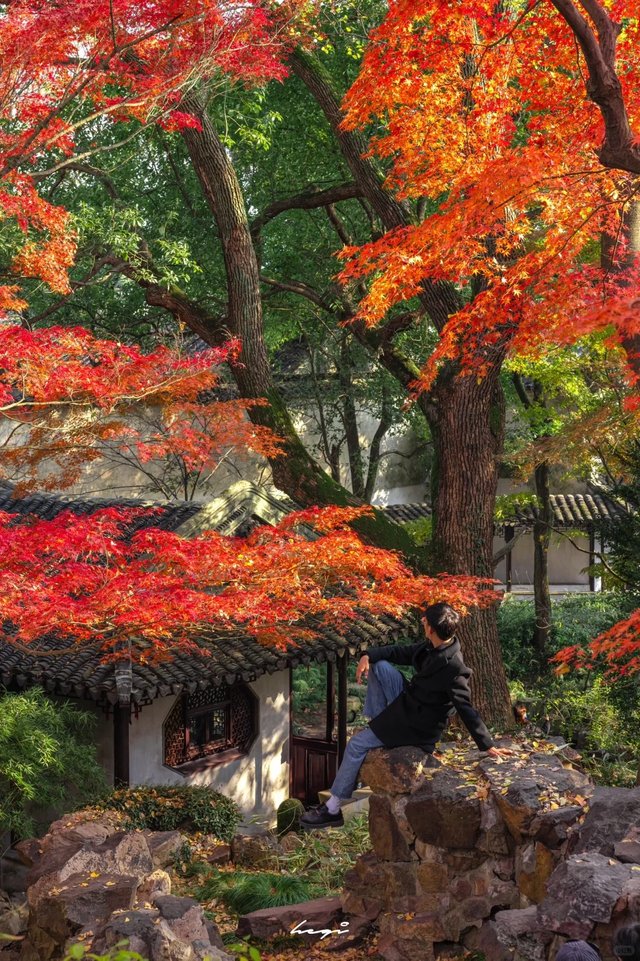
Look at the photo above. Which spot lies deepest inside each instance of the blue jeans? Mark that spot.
(384, 686)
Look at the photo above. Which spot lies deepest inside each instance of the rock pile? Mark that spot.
(509, 858)
(93, 883)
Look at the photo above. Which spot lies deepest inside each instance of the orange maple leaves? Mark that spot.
(72, 64)
(69, 398)
(483, 111)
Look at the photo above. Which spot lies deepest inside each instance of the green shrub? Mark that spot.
(47, 760)
(599, 715)
(576, 620)
(120, 952)
(309, 687)
(191, 809)
(243, 891)
(288, 816)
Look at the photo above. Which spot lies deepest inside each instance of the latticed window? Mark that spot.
(218, 721)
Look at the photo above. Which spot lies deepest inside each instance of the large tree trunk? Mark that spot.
(466, 421)
(294, 471)
(467, 424)
(618, 253)
(541, 539)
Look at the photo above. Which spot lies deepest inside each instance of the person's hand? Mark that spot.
(499, 752)
(362, 670)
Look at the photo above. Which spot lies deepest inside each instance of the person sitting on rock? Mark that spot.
(412, 713)
(626, 943)
(578, 951)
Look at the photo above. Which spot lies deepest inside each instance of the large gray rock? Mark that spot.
(364, 892)
(387, 839)
(514, 935)
(120, 854)
(445, 811)
(552, 828)
(155, 938)
(628, 848)
(396, 770)
(65, 838)
(164, 846)
(612, 812)
(582, 892)
(524, 788)
(58, 911)
(320, 915)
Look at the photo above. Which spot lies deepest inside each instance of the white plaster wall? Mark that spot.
(565, 561)
(257, 782)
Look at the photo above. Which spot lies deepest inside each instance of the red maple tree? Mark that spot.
(99, 579)
(481, 109)
(67, 65)
(68, 399)
(90, 579)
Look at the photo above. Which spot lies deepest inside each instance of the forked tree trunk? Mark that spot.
(294, 471)
(541, 540)
(460, 413)
(467, 424)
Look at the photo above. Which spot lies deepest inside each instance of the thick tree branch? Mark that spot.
(307, 200)
(439, 299)
(508, 547)
(618, 151)
(303, 290)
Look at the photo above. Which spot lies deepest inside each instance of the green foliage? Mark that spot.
(47, 759)
(508, 504)
(245, 891)
(599, 716)
(78, 952)
(243, 951)
(420, 530)
(288, 816)
(181, 807)
(576, 620)
(622, 536)
(309, 687)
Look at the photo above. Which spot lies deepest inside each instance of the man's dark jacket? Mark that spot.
(439, 686)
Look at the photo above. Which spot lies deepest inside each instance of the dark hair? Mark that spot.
(626, 943)
(442, 619)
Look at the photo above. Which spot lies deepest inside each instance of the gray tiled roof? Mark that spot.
(80, 672)
(168, 516)
(581, 511)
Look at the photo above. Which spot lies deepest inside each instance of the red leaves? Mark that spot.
(73, 398)
(484, 107)
(121, 60)
(618, 648)
(81, 577)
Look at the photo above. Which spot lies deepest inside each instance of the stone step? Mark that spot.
(357, 804)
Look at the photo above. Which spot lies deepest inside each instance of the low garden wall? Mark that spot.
(509, 858)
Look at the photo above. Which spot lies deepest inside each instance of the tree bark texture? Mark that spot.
(467, 424)
(615, 259)
(460, 413)
(541, 539)
(294, 471)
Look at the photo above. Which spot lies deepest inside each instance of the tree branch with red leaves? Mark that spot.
(620, 149)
